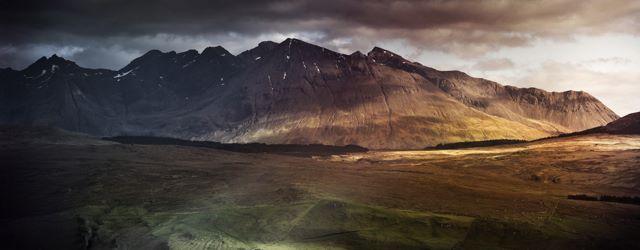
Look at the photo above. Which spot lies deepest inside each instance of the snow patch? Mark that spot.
(44, 71)
(257, 58)
(54, 68)
(284, 76)
(119, 75)
(78, 92)
(189, 63)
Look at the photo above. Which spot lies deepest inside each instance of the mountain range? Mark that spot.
(289, 92)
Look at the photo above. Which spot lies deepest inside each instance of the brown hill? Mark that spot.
(629, 124)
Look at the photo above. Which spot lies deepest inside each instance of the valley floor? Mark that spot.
(66, 191)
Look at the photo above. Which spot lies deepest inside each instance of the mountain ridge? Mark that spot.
(290, 92)
(626, 125)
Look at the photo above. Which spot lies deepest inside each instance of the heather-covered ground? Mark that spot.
(62, 190)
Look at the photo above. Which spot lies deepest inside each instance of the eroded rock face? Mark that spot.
(292, 92)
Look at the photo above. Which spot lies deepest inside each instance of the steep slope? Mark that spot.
(548, 111)
(291, 92)
(55, 91)
(302, 93)
(159, 81)
(629, 125)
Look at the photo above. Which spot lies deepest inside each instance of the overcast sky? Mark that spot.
(554, 45)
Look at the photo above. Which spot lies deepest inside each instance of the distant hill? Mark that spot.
(629, 124)
(291, 92)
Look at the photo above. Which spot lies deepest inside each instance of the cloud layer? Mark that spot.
(109, 33)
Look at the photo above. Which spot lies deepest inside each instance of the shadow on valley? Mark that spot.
(475, 144)
(69, 191)
(283, 149)
(607, 198)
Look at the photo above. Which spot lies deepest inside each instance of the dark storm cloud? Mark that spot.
(118, 29)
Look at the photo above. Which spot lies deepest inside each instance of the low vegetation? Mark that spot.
(99, 194)
(286, 149)
(475, 144)
(608, 198)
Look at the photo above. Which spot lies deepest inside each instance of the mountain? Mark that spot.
(289, 92)
(629, 125)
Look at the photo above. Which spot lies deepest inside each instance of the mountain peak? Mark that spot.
(217, 50)
(270, 44)
(150, 56)
(153, 52)
(357, 54)
(290, 40)
(52, 63)
(192, 53)
(55, 59)
(377, 49)
(382, 53)
(257, 53)
(41, 60)
(296, 46)
(294, 42)
(387, 57)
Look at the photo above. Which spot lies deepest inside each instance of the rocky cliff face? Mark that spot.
(291, 92)
(549, 111)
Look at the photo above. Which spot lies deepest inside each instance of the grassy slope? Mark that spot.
(171, 196)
